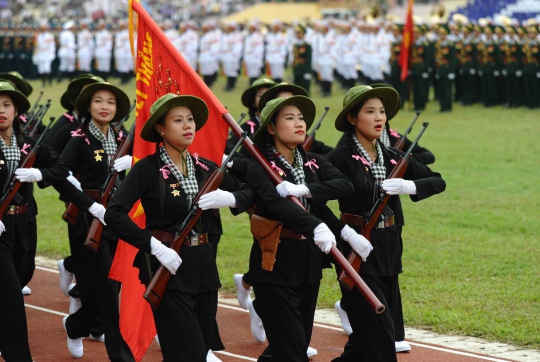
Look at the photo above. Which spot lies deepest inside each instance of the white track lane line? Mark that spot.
(315, 324)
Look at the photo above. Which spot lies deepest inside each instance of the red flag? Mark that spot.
(408, 39)
(159, 69)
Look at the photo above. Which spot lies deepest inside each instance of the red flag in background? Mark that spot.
(408, 39)
(159, 69)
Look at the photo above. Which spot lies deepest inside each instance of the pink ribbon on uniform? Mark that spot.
(393, 162)
(87, 141)
(120, 135)
(196, 156)
(394, 133)
(312, 163)
(252, 124)
(77, 133)
(165, 172)
(275, 167)
(25, 146)
(23, 118)
(68, 116)
(359, 158)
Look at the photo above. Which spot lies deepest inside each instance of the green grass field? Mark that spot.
(471, 260)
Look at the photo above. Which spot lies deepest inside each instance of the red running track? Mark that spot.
(47, 305)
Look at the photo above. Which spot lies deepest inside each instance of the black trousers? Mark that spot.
(287, 314)
(99, 296)
(186, 326)
(373, 334)
(13, 329)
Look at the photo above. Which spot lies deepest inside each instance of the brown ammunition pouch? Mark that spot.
(267, 232)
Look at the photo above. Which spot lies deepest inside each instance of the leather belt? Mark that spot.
(93, 194)
(291, 234)
(16, 209)
(355, 220)
(167, 238)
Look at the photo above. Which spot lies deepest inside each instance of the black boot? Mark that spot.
(60, 76)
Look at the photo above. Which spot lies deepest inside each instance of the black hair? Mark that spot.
(354, 110)
(252, 111)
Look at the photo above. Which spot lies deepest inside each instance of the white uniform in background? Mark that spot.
(103, 52)
(254, 54)
(85, 50)
(122, 52)
(188, 42)
(326, 58)
(173, 36)
(209, 49)
(348, 55)
(231, 52)
(44, 52)
(67, 51)
(276, 53)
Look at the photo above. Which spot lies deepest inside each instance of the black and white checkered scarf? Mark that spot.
(12, 155)
(377, 168)
(108, 143)
(384, 138)
(188, 184)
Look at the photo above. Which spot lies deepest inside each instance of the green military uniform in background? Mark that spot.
(302, 54)
(468, 66)
(421, 62)
(395, 68)
(7, 51)
(489, 61)
(445, 68)
(531, 68)
(513, 67)
(501, 78)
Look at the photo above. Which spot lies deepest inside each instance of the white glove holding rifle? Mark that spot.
(358, 243)
(324, 238)
(98, 211)
(166, 256)
(123, 163)
(399, 186)
(28, 175)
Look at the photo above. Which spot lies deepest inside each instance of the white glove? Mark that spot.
(123, 163)
(287, 188)
(519, 73)
(480, 73)
(504, 72)
(166, 256)
(229, 164)
(425, 75)
(307, 76)
(74, 181)
(28, 175)
(472, 71)
(496, 73)
(324, 238)
(98, 211)
(451, 76)
(358, 243)
(216, 200)
(437, 76)
(399, 186)
(2, 227)
(537, 74)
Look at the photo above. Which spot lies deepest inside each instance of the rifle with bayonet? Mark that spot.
(155, 290)
(369, 220)
(401, 142)
(14, 184)
(308, 142)
(93, 238)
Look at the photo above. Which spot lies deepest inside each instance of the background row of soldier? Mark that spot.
(489, 64)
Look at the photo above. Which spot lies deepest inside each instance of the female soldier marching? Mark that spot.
(286, 292)
(14, 222)
(166, 183)
(367, 163)
(89, 154)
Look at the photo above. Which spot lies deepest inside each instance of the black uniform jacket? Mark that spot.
(198, 272)
(298, 262)
(84, 156)
(385, 258)
(47, 162)
(63, 120)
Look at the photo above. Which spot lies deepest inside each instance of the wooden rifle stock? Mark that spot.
(401, 142)
(308, 142)
(15, 184)
(155, 290)
(338, 257)
(71, 213)
(372, 217)
(93, 238)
